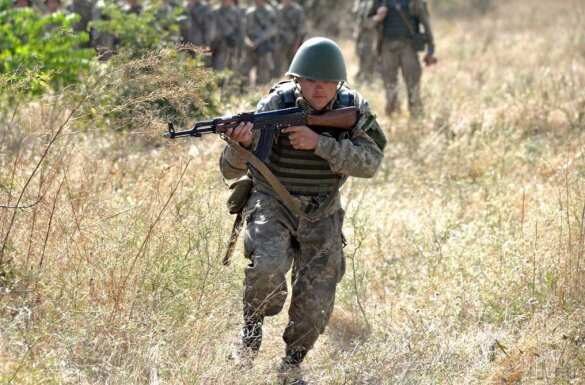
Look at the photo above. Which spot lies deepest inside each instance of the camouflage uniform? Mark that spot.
(399, 53)
(84, 8)
(104, 42)
(291, 31)
(275, 238)
(259, 32)
(133, 7)
(195, 28)
(365, 40)
(227, 37)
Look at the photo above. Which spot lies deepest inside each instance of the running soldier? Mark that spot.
(260, 31)
(227, 36)
(401, 41)
(311, 163)
(291, 32)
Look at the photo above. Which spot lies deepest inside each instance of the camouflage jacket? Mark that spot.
(359, 155)
(227, 26)
(197, 26)
(291, 23)
(260, 24)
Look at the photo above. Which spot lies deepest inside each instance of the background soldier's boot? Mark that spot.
(289, 371)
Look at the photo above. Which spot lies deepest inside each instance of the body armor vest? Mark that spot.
(394, 26)
(301, 171)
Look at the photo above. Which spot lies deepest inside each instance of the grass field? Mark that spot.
(465, 258)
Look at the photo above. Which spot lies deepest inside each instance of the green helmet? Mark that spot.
(318, 58)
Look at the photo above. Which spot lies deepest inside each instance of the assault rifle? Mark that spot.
(342, 118)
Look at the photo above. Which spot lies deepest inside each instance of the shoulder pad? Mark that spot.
(286, 90)
(346, 97)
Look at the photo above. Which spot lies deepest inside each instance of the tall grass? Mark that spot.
(465, 256)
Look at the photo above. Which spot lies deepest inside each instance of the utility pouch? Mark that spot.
(420, 40)
(240, 193)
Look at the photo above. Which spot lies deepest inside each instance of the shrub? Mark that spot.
(42, 48)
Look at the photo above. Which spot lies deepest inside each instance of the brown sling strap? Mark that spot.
(292, 203)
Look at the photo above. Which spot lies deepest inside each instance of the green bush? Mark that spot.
(41, 48)
(167, 85)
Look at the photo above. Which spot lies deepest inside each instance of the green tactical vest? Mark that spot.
(301, 171)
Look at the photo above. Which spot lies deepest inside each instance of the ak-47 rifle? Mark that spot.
(342, 118)
(269, 122)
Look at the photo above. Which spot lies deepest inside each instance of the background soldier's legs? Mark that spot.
(248, 62)
(264, 68)
(412, 72)
(390, 66)
(219, 58)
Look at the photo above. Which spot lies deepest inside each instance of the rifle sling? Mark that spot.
(405, 19)
(236, 228)
(292, 203)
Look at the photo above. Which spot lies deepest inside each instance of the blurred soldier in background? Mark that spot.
(365, 40)
(227, 36)
(104, 42)
(401, 39)
(260, 31)
(169, 15)
(84, 8)
(291, 32)
(22, 3)
(133, 7)
(52, 5)
(483, 6)
(196, 27)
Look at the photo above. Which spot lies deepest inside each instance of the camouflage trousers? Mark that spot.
(263, 63)
(366, 53)
(223, 57)
(401, 55)
(283, 55)
(274, 241)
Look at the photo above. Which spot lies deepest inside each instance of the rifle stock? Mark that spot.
(343, 118)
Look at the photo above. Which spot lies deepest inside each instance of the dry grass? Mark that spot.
(466, 250)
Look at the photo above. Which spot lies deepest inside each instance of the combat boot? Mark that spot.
(251, 338)
(289, 371)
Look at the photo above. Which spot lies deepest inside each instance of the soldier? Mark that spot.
(401, 20)
(227, 37)
(53, 5)
(311, 163)
(195, 29)
(259, 32)
(84, 8)
(133, 7)
(22, 3)
(291, 32)
(365, 40)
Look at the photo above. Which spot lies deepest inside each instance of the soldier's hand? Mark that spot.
(242, 133)
(302, 137)
(430, 59)
(380, 14)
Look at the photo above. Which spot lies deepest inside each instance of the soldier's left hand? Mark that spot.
(302, 137)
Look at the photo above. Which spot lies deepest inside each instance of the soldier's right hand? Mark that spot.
(380, 14)
(242, 133)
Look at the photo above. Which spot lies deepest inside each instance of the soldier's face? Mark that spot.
(317, 92)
